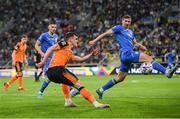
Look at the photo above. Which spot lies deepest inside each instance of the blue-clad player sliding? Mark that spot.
(126, 40)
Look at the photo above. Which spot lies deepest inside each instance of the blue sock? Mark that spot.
(158, 67)
(35, 74)
(44, 85)
(40, 74)
(109, 84)
(70, 87)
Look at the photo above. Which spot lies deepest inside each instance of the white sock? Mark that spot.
(101, 90)
(68, 100)
(96, 103)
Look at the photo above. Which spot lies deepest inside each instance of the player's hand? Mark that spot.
(143, 48)
(13, 63)
(26, 63)
(96, 52)
(42, 54)
(93, 42)
(39, 65)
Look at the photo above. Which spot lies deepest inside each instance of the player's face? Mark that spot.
(24, 39)
(126, 22)
(52, 28)
(74, 41)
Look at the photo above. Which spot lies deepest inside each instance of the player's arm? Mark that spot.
(13, 57)
(165, 57)
(38, 48)
(16, 47)
(46, 55)
(176, 59)
(109, 32)
(139, 45)
(25, 60)
(86, 57)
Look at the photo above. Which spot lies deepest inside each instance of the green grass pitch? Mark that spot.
(138, 96)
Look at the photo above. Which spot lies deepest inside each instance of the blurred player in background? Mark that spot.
(18, 58)
(170, 58)
(37, 59)
(57, 72)
(125, 38)
(45, 41)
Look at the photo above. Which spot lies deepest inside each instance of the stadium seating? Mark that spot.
(89, 19)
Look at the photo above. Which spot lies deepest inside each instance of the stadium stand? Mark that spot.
(156, 24)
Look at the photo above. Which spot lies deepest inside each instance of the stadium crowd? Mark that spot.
(88, 18)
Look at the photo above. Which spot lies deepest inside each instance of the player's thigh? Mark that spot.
(125, 66)
(145, 58)
(19, 68)
(121, 76)
(69, 78)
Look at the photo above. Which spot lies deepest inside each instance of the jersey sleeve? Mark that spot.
(133, 37)
(16, 47)
(40, 39)
(117, 29)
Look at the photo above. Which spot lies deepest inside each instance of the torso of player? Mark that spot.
(61, 56)
(171, 57)
(124, 37)
(47, 41)
(20, 52)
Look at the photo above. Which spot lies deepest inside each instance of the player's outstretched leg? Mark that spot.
(170, 72)
(74, 92)
(43, 87)
(6, 84)
(167, 71)
(67, 96)
(106, 86)
(88, 96)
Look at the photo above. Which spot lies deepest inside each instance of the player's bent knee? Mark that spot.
(19, 74)
(81, 88)
(120, 79)
(78, 85)
(121, 76)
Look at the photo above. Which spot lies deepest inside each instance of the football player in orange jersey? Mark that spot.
(18, 57)
(57, 72)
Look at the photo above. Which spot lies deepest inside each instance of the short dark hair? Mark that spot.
(24, 35)
(69, 34)
(126, 17)
(52, 21)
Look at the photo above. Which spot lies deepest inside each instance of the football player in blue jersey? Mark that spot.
(126, 40)
(45, 41)
(170, 58)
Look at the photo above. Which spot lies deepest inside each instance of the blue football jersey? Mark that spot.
(124, 37)
(171, 57)
(47, 41)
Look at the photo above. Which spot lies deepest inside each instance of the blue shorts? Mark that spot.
(128, 57)
(47, 65)
(170, 63)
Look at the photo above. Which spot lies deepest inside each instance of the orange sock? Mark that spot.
(20, 81)
(87, 95)
(66, 91)
(12, 80)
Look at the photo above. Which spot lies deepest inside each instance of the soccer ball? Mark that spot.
(146, 68)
